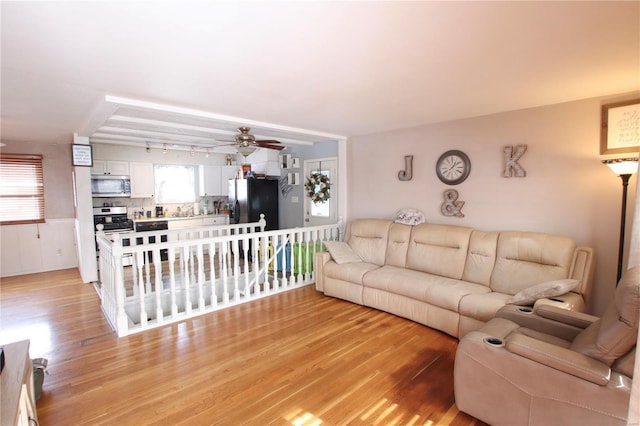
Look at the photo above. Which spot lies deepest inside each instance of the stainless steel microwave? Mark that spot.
(110, 186)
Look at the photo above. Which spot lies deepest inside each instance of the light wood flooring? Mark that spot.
(296, 358)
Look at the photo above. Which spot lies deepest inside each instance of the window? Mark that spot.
(21, 189)
(175, 183)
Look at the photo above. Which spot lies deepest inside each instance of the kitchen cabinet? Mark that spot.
(210, 181)
(103, 167)
(265, 161)
(213, 179)
(226, 173)
(195, 221)
(142, 182)
(216, 220)
(185, 223)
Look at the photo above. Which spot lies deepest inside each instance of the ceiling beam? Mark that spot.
(188, 112)
(112, 130)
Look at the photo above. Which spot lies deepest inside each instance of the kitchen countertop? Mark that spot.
(172, 218)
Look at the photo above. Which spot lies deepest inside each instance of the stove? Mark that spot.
(112, 219)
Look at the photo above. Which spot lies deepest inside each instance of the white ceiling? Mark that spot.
(301, 71)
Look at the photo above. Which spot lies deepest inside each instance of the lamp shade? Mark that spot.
(622, 166)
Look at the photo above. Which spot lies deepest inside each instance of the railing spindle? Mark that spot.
(201, 277)
(212, 274)
(185, 283)
(157, 263)
(172, 281)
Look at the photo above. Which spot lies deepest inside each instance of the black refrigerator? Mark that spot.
(250, 197)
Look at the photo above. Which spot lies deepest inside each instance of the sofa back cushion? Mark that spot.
(398, 244)
(524, 259)
(438, 249)
(481, 257)
(368, 239)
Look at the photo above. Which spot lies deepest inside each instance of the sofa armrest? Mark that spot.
(582, 268)
(524, 316)
(559, 358)
(571, 301)
(576, 319)
(320, 258)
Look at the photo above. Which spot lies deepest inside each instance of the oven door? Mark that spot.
(127, 259)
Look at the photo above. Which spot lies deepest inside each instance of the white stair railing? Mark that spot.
(200, 270)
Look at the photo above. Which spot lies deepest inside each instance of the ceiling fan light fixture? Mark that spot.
(246, 150)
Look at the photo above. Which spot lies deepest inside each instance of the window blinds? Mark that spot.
(21, 189)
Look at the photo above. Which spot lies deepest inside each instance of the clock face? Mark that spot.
(453, 167)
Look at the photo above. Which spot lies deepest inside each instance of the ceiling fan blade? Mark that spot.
(224, 144)
(270, 145)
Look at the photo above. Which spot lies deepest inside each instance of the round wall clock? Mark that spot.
(453, 167)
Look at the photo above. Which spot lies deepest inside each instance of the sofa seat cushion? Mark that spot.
(483, 307)
(350, 272)
(436, 290)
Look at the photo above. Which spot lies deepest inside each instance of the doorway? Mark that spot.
(322, 213)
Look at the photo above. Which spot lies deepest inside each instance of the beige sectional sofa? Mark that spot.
(451, 278)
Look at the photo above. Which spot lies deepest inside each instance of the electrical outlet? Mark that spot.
(294, 199)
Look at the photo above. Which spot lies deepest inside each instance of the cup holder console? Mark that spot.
(493, 341)
(525, 310)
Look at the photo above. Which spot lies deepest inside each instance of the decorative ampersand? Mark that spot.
(451, 205)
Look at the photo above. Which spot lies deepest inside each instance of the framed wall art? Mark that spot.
(620, 131)
(82, 155)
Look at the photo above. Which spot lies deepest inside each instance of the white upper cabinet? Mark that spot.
(102, 167)
(213, 179)
(142, 183)
(265, 161)
(226, 173)
(209, 180)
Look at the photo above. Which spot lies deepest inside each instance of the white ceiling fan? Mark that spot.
(246, 143)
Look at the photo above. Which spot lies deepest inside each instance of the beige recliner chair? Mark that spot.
(552, 367)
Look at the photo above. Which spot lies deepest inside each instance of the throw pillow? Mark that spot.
(341, 252)
(528, 296)
(409, 216)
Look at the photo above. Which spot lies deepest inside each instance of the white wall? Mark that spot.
(567, 190)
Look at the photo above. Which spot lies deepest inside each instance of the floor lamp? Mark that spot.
(623, 167)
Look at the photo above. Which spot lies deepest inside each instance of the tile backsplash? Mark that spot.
(213, 205)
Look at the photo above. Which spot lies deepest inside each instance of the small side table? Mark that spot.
(17, 402)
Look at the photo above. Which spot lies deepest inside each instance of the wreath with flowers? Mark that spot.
(318, 187)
